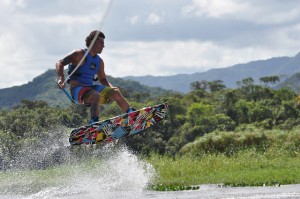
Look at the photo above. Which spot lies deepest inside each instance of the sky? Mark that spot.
(145, 37)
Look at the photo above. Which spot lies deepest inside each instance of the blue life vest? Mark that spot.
(86, 72)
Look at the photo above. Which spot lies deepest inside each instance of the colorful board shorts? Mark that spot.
(81, 93)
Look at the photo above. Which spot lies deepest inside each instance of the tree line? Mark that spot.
(33, 127)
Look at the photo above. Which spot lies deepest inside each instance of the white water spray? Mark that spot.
(51, 170)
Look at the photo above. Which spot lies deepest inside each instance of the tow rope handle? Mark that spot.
(66, 92)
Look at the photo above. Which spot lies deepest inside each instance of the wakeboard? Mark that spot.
(117, 127)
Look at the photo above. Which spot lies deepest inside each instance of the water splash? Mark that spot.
(119, 172)
(97, 173)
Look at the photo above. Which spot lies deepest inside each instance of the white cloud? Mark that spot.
(144, 58)
(173, 57)
(133, 19)
(158, 37)
(154, 18)
(19, 63)
(14, 3)
(255, 11)
(214, 8)
(66, 19)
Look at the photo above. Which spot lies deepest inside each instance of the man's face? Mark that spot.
(99, 45)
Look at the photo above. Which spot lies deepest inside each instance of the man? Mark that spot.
(83, 90)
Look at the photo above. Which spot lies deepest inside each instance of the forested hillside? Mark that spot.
(209, 108)
(44, 88)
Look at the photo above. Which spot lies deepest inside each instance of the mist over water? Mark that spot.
(77, 172)
(120, 173)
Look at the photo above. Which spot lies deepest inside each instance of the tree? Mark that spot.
(31, 104)
(216, 85)
(228, 104)
(199, 85)
(204, 85)
(269, 80)
(245, 82)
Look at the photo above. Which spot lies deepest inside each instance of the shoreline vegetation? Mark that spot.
(248, 136)
(272, 163)
(247, 168)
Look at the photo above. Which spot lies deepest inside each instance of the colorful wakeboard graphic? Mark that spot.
(119, 126)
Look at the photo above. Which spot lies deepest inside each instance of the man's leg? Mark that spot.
(88, 97)
(93, 102)
(105, 94)
(121, 101)
(113, 94)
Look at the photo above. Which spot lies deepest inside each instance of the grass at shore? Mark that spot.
(246, 168)
(273, 161)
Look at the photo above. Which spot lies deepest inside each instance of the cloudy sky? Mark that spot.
(145, 37)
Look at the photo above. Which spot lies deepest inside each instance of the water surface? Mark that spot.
(118, 173)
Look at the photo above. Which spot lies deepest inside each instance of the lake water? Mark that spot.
(205, 192)
(120, 174)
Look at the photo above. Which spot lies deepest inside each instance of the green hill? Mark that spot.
(44, 88)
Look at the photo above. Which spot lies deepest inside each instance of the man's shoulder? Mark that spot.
(78, 51)
(77, 54)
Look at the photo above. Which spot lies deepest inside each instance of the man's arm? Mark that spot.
(102, 76)
(60, 70)
(71, 58)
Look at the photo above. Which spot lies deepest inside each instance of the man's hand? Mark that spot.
(115, 88)
(60, 83)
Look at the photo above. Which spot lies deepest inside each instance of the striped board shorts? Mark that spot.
(81, 93)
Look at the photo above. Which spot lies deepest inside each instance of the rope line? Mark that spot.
(93, 41)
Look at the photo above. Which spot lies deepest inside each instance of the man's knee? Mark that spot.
(93, 98)
(107, 94)
(116, 94)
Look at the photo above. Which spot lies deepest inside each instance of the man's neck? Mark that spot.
(93, 53)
